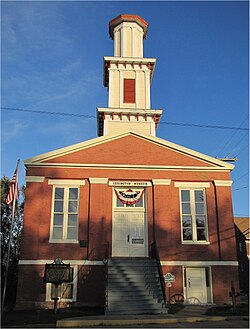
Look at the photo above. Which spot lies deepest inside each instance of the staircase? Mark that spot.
(133, 287)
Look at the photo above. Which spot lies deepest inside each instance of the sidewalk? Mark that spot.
(186, 314)
(87, 317)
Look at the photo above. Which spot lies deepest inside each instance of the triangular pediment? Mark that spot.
(128, 149)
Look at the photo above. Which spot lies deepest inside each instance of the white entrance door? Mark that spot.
(129, 230)
(196, 285)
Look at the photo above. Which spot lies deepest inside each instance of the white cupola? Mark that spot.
(128, 77)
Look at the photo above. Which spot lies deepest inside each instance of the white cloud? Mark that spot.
(13, 129)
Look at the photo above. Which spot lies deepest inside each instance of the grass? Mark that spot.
(44, 317)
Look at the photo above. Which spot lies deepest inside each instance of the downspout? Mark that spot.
(217, 220)
(88, 228)
(153, 217)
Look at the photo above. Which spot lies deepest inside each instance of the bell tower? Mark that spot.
(128, 75)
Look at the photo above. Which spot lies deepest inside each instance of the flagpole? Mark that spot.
(10, 237)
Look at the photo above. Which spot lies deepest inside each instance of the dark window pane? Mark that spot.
(59, 193)
(119, 203)
(57, 233)
(200, 221)
(201, 234)
(58, 219)
(199, 196)
(186, 208)
(186, 221)
(73, 206)
(72, 233)
(72, 220)
(187, 234)
(185, 195)
(58, 206)
(139, 203)
(73, 193)
(199, 208)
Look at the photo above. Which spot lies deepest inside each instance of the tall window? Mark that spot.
(65, 214)
(129, 91)
(193, 215)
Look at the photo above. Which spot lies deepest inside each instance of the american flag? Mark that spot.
(13, 192)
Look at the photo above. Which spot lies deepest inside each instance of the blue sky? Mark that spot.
(52, 60)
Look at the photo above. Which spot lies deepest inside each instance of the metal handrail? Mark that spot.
(155, 254)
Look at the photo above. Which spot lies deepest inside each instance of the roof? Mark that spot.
(242, 224)
(127, 18)
(209, 163)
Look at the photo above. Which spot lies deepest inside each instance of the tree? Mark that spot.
(6, 214)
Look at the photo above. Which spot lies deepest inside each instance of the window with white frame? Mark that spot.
(193, 215)
(64, 225)
(67, 291)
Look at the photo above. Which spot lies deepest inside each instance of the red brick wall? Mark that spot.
(222, 277)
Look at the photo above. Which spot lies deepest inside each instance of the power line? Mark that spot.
(50, 112)
(243, 149)
(237, 145)
(202, 125)
(241, 188)
(94, 117)
(231, 137)
(241, 177)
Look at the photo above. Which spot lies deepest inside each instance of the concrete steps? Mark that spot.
(134, 287)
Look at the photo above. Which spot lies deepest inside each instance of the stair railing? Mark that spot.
(155, 255)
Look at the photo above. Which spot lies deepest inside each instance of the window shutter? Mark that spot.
(129, 91)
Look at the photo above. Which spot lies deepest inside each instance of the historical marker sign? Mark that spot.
(58, 273)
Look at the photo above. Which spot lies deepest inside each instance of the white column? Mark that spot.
(121, 88)
(147, 89)
(111, 88)
(134, 50)
(123, 41)
(137, 73)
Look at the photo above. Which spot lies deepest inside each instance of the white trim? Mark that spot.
(223, 182)
(63, 241)
(66, 182)
(98, 180)
(103, 139)
(191, 184)
(130, 183)
(67, 261)
(195, 242)
(124, 166)
(198, 263)
(192, 213)
(34, 179)
(126, 211)
(139, 111)
(65, 215)
(161, 181)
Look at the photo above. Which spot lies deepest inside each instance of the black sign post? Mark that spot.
(57, 273)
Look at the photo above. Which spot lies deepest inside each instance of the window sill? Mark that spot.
(196, 242)
(63, 241)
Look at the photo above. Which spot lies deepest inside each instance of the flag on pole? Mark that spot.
(13, 192)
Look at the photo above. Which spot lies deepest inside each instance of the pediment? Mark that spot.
(128, 149)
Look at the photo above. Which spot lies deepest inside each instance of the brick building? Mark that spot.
(128, 200)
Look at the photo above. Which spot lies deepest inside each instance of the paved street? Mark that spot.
(213, 324)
